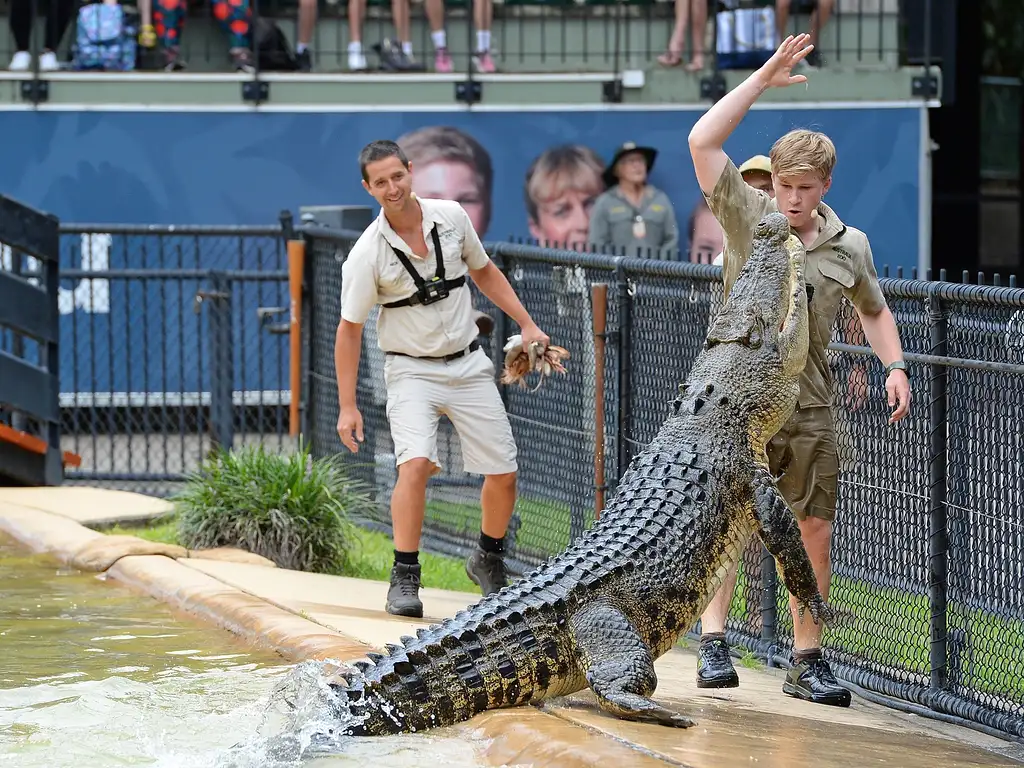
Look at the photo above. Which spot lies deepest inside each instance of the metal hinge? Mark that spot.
(255, 91)
(36, 91)
(469, 91)
(926, 86)
(201, 296)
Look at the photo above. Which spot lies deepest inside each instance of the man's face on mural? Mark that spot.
(453, 180)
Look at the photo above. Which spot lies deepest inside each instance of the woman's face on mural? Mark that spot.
(448, 180)
(565, 220)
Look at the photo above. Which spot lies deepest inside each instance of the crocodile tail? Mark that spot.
(412, 688)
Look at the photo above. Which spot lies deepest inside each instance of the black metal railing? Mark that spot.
(928, 541)
(30, 444)
(536, 36)
(175, 340)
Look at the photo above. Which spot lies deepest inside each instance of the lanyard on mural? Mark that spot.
(639, 228)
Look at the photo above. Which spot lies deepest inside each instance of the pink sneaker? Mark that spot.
(484, 63)
(442, 61)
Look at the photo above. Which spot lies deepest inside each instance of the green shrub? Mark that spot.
(285, 507)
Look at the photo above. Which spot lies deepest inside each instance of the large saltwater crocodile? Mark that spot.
(621, 595)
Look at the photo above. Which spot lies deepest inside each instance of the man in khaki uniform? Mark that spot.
(838, 263)
(414, 261)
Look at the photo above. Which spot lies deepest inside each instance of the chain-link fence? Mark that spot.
(173, 340)
(928, 545)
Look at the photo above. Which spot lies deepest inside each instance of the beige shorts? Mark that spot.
(464, 390)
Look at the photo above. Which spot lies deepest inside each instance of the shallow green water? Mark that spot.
(93, 674)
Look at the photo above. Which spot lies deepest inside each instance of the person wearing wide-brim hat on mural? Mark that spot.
(634, 214)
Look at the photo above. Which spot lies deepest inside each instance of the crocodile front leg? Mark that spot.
(794, 338)
(619, 667)
(780, 532)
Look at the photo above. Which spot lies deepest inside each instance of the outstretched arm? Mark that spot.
(495, 286)
(708, 136)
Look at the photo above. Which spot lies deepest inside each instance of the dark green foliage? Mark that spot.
(285, 507)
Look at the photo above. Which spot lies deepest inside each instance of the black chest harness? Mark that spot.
(427, 291)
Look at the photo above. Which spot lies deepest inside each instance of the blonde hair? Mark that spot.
(434, 143)
(558, 170)
(802, 151)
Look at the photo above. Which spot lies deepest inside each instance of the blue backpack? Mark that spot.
(105, 39)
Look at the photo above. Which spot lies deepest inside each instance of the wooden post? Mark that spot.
(599, 316)
(296, 265)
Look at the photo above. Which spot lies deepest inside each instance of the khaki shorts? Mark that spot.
(804, 453)
(464, 390)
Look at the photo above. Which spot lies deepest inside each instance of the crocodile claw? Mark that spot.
(821, 612)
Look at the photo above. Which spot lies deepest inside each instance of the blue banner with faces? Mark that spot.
(529, 174)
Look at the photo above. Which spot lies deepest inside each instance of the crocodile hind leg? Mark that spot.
(619, 667)
(780, 532)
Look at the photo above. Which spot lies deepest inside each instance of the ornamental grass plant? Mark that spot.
(287, 507)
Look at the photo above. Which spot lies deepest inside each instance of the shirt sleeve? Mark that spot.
(866, 294)
(473, 251)
(598, 232)
(358, 288)
(737, 207)
(671, 226)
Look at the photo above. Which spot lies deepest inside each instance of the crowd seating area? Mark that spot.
(524, 35)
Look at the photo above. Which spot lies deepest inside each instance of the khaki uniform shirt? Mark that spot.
(372, 274)
(613, 217)
(838, 264)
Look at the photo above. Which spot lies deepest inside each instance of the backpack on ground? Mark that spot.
(105, 38)
(271, 47)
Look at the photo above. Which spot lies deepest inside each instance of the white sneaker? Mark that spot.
(356, 61)
(48, 62)
(21, 62)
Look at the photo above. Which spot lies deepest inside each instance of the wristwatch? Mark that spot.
(894, 365)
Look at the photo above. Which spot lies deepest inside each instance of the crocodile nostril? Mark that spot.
(724, 401)
(709, 389)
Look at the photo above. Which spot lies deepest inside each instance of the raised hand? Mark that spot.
(777, 70)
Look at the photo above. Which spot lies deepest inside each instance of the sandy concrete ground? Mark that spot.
(307, 615)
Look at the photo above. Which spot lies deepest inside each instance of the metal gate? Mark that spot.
(172, 344)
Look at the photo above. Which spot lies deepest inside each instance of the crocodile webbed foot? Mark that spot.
(631, 706)
(821, 612)
(619, 668)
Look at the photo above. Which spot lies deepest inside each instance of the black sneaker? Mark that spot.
(487, 571)
(714, 666)
(304, 61)
(404, 594)
(812, 680)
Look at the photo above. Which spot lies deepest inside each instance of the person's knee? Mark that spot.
(505, 480)
(781, 6)
(816, 533)
(417, 471)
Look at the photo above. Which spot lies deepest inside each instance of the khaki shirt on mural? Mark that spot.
(613, 220)
(372, 274)
(838, 264)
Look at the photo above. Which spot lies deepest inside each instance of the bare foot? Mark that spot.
(670, 58)
(697, 64)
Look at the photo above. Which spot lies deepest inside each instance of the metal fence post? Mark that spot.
(222, 357)
(624, 313)
(938, 543)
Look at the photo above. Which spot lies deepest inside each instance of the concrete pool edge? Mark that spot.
(523, 736)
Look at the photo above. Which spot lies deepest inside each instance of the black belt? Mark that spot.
(473, 347)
